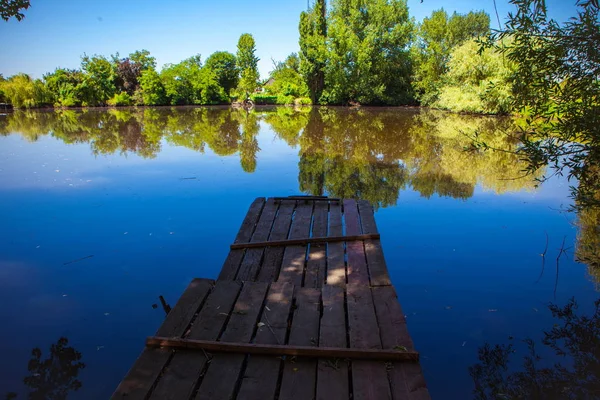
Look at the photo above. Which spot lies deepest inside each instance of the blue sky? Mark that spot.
(57, 32)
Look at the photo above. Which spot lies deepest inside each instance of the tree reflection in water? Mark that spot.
(54, 377)
(370, 154)
(574, 339)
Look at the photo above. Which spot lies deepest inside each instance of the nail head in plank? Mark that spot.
(179, 378)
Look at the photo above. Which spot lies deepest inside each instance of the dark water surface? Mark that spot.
(103, 211)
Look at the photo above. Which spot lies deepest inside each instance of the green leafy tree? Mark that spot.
(23, 92)
(556, 90)
(313, 48)
(65, 86)
(287, 83)
(178, 80)
(152, 89)
(248, 66)
(368, 58)
(98, 81)
(143, 59)
(437, 35)
(477, 81)
(224, 65)
(13, 8)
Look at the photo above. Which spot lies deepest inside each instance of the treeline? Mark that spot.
(134, 80)
(351, 52)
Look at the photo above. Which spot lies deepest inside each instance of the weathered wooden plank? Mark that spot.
(141, 377)
(179, 378)
(357, 263)
(221, 378)
(234, 258)
(332, 374)
(369, 378)
(281, 350)
(407, 381)
(262, 372)
(299, 375)
(351, 218)
(311, 240)
(317, 255)
(336, 265)
(367, 217)
(378, 271)
(253, 258)
(294, 257)
(274, 255)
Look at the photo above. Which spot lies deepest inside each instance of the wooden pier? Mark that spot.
(303, 309)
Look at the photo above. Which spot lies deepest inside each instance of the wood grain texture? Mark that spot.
(369, 378)
(253, 257)
(332, 374)
(232, 263)
(260, 379)
(274, 255)
(299, 374)
(336, 265)
(180, 377)
(222, 376)
(294, 257)
(138, 382)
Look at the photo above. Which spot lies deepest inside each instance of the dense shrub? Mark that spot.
(264, 99)
(120, 99)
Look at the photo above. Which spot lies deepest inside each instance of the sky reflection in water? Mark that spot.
(157, 195)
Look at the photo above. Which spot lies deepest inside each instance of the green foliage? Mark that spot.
(120, 99)
(23, 92)
(476, 81)
(13, 8)
(263, 99)
(367, 58)
(152, 88)
(224, 65)
(556, 90)
(287, 83)
(437, 36)
(65, 86)
(313, 48)
(98, 83)
(143, 59)
(303, 101)
(248, 66)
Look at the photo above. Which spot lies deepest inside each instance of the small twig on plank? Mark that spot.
(270, 328)
(79, 259)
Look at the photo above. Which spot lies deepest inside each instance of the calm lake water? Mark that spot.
(103, 211)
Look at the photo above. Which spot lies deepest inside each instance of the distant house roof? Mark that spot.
(269, 82)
